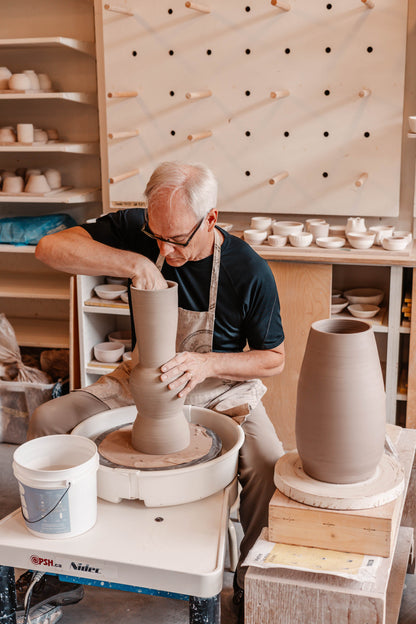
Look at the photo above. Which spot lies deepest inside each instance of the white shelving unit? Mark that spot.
(95, 323)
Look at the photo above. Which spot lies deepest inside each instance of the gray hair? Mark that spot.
(196, 182)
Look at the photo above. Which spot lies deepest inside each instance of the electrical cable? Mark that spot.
(28, 595)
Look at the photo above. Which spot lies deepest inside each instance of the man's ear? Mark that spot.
(212, 218)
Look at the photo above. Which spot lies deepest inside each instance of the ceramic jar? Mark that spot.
(355, 224)
(341, 412)
(160, 427)
(25, 133)
(53, 177)
(19, 82)
(37, 184)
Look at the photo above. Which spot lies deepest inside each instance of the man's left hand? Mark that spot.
(186, 369)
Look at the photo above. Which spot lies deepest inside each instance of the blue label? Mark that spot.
(37, 506)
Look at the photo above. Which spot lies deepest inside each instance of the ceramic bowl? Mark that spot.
(53, 177)
(303, 239)
(108, 351)
(364, 295)
(284, 228)
(381, 231)
(275, 240)
(37, 184)
(363, 310)
(19, 82)
(330, 242)
(225, 226)
(395, 243)
(7, 135)
(123, 336)
(361, 240)
(13, 184)
(338, 304)
(313, 220)
(109, 291)
(125, 297)
(260, 223)
(402, 233)
(255, 237)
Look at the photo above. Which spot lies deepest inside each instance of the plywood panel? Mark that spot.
(305, 293)
(324, 134)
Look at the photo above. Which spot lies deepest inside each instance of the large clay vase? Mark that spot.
(340, 413)
(160, 427)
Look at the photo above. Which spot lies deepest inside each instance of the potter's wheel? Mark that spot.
(384, 486)
(115, 450)
(158, 488)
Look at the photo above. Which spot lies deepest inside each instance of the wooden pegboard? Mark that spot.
(324, 134)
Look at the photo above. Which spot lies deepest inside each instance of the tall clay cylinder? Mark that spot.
(160, 427)
(341, 411)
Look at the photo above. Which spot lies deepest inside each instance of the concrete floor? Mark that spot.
(106, 606)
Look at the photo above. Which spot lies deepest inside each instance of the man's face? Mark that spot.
(169, 217)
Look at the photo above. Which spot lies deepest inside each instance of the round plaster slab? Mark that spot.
(116, 447)
(384, 486)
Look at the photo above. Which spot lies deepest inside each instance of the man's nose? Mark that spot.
(165, 248)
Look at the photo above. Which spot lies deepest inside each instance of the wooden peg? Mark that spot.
(280, 176)
(123, 176)
(122, 94)
(198, 95)
(123, 134)
(361, 180)
(118, 9)
(370, 4)
(280, 4)
(197, 7)
(278, 95)
(364, 93)
(199, 135)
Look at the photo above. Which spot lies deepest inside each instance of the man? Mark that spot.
(227, 300)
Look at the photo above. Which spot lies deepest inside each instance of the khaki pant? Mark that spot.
(258, 455)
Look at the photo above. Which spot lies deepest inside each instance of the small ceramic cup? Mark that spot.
(312, 220)
(319, 229)
(7, 135)
(5, 74)
(25, 133)
(276, 240)
(37, 184)
(13, 184)
(45, 83)
(261, 223)
(303, 239)
(19, 82)
(53, 177)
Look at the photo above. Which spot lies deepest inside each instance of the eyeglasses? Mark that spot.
(180, 243)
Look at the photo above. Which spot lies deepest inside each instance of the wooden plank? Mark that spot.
(305, 293)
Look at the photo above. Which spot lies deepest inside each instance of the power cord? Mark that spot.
(28, 595)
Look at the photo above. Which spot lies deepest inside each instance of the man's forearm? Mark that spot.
(246, 365)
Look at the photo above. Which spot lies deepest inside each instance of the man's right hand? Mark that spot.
(148, 276)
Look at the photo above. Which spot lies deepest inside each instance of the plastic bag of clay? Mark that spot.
(11, 365)
(29, 230)
(18, 400)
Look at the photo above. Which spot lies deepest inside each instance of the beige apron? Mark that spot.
(195, 333)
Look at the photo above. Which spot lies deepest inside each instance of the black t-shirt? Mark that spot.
(247, 309)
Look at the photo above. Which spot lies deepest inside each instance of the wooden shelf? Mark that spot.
(48, 333)
(72, 196)
(6, 248)
(107, 307)
(85, 47)
(80, 98)
(70, 148)
(100, 368)
(34, 286)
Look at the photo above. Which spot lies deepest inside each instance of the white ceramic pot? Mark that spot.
(275, 240)
(33, 78)
(37, 184)
(19, 82)
(303, 239)
(319, 229)
(285, 228)
(381, 231)
(13, 184)
(355, 224)
(25, 133)
(53, 177)
(255, 237)
(361, 240)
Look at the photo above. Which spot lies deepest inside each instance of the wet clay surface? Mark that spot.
(117, 448)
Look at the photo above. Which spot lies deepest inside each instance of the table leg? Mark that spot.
(204, 610)
(7, 596)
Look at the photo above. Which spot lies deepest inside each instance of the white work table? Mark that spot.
(175, 551)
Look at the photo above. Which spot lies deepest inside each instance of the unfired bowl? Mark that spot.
(363, 310)
(276, 240)
(330, 242)
(108, 351)
(255, 237)
(364, 295)
(381, 231)
(123, 336)
(285, 228)
(338, 304)
(302, 239)
(261, 223)
(361, 240)
(19, 82)
(110, 291)
(37, 184)
(396, 243)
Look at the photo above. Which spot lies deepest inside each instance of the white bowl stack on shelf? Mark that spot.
(110, 291)
(364, 302)
(25, 81)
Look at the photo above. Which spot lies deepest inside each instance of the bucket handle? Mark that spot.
(49, 512)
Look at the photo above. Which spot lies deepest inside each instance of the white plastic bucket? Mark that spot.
(57, 478)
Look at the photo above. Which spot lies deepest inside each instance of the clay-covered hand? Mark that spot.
(186, 370)
(147, 276)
